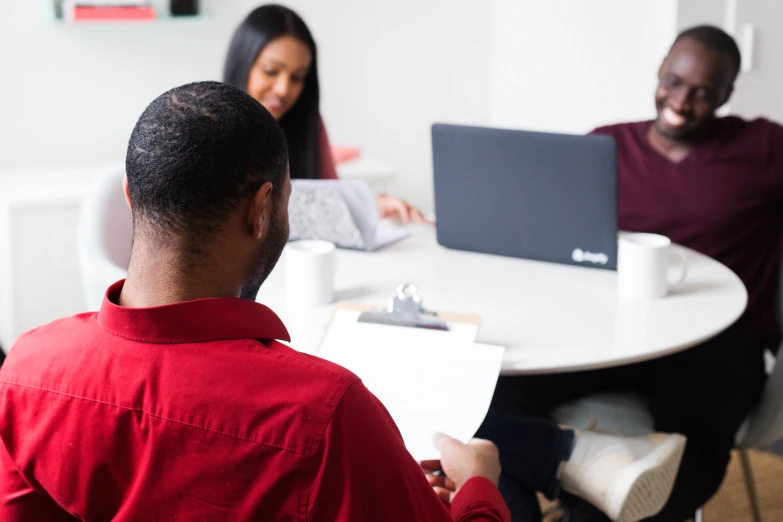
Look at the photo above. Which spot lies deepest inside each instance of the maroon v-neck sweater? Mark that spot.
(725, 199)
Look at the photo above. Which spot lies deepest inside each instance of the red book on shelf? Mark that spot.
(84, 13)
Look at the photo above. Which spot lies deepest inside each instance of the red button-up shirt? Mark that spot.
(194, 411)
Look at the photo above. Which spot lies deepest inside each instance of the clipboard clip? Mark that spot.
(405, 309)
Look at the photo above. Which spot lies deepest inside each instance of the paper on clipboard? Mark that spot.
(429, 381)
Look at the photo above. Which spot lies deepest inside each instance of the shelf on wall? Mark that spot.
(162, 19)
(72, 13)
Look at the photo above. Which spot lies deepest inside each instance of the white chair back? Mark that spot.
(764, 425)
(105, 236)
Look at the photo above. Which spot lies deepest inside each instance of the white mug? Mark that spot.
(309, 272)
(642, 265)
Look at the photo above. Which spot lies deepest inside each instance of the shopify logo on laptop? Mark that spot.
(582, 256)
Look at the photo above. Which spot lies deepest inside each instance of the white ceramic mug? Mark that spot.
(309, 272)
(642, 266)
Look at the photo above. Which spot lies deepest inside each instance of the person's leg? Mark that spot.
(522, 503)
(531, 450)
(538, 395)
(627, 478)
(704, 393)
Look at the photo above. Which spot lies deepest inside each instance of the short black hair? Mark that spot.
(195, 153)
(716, 39)
(301, 123)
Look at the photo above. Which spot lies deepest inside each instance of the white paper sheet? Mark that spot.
(428, 380)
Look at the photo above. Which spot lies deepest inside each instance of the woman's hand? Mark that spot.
(391, 207)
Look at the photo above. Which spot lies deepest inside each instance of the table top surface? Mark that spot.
(550, 317)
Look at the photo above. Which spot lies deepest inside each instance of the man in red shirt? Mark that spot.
(177, 401)
(714, 185)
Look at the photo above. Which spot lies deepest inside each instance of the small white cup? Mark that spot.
(309, 272)
(642, 266)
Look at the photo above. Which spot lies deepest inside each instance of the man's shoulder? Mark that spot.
(755, 125)
(59, 327)
(303, 391)
(33, 348)
(620, 129)
(759, 138)
(315, 367)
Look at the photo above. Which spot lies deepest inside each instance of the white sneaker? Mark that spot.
(627, 478)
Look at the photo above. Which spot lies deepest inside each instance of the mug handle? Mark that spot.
(684, 262)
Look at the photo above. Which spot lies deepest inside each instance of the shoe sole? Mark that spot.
(647, 483)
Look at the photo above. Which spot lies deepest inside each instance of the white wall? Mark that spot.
(392, 68)
(757, 90)
(71, 93)
(569, 66)
(712, 12)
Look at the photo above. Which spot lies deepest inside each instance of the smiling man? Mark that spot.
(714, 185)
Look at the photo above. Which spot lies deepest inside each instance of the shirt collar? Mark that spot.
(201, 320)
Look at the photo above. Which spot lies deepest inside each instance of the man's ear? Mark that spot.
(259, 212)
(727, 96)
(126, 190)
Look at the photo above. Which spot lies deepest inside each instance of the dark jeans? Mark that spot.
(704, 393)
(531, 451)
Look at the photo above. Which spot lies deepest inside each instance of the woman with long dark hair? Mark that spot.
(273, 57)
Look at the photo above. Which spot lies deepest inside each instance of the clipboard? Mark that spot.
(426, 368)
(405, 309)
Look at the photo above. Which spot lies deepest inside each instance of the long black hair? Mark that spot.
(301, 122)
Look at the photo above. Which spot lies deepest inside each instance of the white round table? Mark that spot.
(550, 317)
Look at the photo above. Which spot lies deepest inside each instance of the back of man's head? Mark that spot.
(194, 154)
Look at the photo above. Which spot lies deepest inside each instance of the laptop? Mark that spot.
(532, 195)
(343, 212)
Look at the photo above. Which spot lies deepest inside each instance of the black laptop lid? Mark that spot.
(543, 196)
